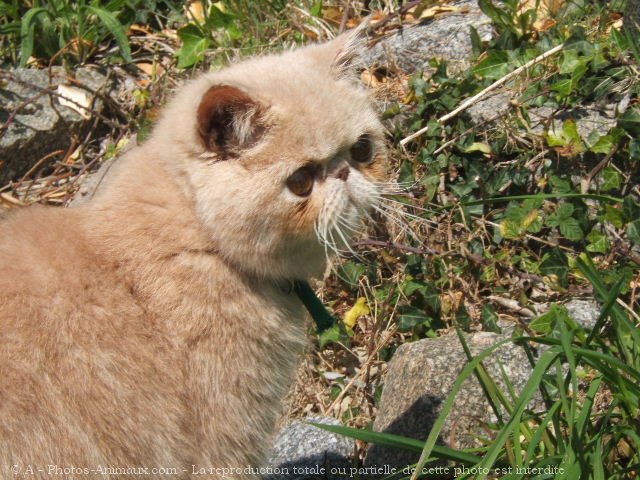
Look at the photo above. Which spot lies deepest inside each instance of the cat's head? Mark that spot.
(281, 155)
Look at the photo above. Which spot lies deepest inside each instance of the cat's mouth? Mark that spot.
(341, 219)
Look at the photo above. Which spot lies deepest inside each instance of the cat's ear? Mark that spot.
(229, 120)
(347, 49)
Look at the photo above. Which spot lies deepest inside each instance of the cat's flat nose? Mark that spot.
(343, 173)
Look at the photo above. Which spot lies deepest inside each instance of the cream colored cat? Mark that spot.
(152, 332)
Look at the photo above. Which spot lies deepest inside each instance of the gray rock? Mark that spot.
(421, 375)
(584, 311)
(41, 124)
(489, 108)
(305, 452)
(588, 118)
(446, 37)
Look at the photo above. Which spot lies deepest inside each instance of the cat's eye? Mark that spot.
(362, 150)
(301, 181)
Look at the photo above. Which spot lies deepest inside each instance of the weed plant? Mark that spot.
(534, 193)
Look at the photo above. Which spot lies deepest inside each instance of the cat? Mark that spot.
(152, 332)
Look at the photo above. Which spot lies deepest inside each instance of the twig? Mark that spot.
(398, 246)
(466, 104)
(597, 169)
(401, 11)
(512, 305)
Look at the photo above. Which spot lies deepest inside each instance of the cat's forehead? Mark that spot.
(310, 106)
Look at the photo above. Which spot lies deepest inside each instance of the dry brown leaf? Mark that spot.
(11, 200)
(195, 11)
(431, 12)
(137, 29)
(547, 10)
(151, 69)
(75, 98)
(369, 79)
(332, 15)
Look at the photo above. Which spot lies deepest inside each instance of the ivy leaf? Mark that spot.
(330, 335)
(598, 242)
(630, 121)
(612, 215)
(555, 264)
(633, 231)
(603, 145)
(490, 319)
(410, 318)
(567, 141)
(478, 147)
(634, 149)
(630, 209)
(544, 323)
(570, 229)
(571, 61)
(495, 66)
(612, 180)
(194, 44)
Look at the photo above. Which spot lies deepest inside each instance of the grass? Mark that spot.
(506, 201)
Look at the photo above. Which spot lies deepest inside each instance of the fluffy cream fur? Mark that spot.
(150, 327)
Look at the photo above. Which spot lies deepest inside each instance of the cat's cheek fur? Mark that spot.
(266, 231)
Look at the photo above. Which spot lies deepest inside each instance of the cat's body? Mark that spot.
(155, 327)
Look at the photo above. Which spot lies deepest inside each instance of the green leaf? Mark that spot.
(546, 322)
(194, 44)
(568, 139)
(571, 61)
(410, 317)
(598, 242)
(633, 231)
(217, 19)
(478, 147)
(612, 215)
(630, 121)
(612, 180)
(630, 209)
(560, 185)
(565, 210)
(27, 32)
(316, 9)
(603, 145)
(352, 272)
(555, 263)
(115, 28)
(619, 39)
(495, 66)
(570, 229)
(330, 335)
(634, 149)
(490, 319)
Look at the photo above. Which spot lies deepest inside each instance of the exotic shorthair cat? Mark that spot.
(152, 332)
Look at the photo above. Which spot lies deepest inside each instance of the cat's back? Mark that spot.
(41, 250)
(76, 349)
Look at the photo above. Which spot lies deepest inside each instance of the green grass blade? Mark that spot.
(542, 429)
(448, 403)
(546, 360)
(397, 441)
(27, 33)
(115, 28)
